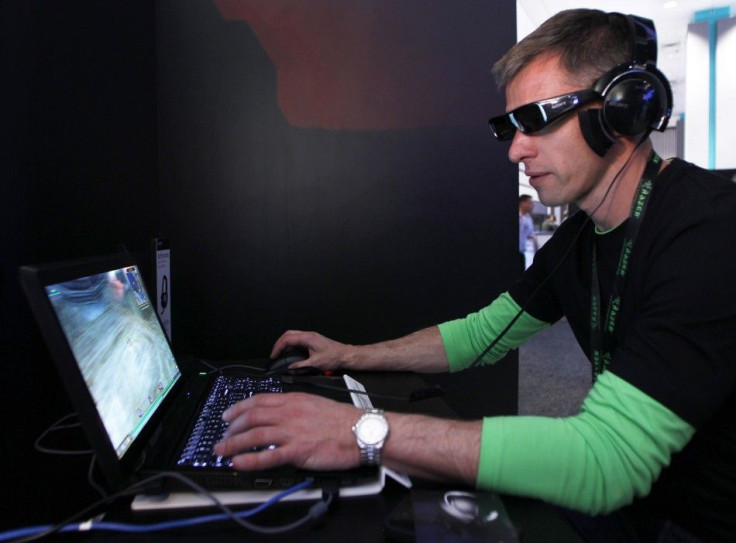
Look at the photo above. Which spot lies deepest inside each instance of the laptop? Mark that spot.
(141, 411)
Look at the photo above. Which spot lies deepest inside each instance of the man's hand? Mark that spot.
(309, 432)
(421, 351)
(324, 353)
(315, 433)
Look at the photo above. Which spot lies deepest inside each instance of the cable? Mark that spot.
(59, 425)
(550, 275)
(91, 478)
(217, 369)
(316, 511)
(414, 396)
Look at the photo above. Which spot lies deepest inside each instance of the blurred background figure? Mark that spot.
(527, 240)
(549, 224)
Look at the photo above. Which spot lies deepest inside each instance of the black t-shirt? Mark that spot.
(675, 338)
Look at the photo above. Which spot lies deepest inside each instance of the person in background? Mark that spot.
(549, 224)
(526, 228)
(642, 274)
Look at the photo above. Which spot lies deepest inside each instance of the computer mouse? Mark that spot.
(281, 363)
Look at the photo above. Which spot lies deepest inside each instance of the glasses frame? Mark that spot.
(536, 116)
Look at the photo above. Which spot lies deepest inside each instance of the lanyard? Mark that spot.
(601, 333)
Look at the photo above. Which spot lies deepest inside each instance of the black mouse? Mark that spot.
(288, 356)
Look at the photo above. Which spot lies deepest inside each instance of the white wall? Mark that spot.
(697, 95)
(726, 94)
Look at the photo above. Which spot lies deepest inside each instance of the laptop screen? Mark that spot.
(119, 346)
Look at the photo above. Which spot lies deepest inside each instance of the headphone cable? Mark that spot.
(477, 362)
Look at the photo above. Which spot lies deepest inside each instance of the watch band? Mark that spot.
(370, 456)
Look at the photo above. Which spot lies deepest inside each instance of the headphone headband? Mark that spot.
(637, 98)
(644, 37)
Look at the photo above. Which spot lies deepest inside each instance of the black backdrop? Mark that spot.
(79, 177)
(125, 119)
(284, 214)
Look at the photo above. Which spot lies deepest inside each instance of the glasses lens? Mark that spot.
(529, 118)
(502, 127)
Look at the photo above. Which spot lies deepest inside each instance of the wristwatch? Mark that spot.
(371, 432)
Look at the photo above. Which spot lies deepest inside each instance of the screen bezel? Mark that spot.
(34, 280)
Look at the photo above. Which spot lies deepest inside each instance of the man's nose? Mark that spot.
(522, 146)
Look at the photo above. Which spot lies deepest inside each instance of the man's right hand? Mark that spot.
(421, 351)
(324, 353)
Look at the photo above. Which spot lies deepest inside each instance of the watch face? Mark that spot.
(372, 429)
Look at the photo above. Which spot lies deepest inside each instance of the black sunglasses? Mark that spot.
(535, 116)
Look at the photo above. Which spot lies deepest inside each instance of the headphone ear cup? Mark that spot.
(594, 131)
(635, 102)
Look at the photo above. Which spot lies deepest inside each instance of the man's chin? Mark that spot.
(551, 201)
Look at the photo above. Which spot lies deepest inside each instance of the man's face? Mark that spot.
(560, 165)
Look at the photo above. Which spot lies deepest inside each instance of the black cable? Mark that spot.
(91, 478)
(219, 369)
(59, 425)
(414, 396)
(316, 511)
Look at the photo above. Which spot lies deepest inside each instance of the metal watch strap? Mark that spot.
(370, 455)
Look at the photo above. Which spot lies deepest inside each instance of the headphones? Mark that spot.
(637, 97)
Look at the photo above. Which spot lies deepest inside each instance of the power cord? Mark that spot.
(55, 427)
(61, 424)
(72, 524)
(416, 395)
(220, 369)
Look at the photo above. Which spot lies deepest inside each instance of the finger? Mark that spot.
(288, 339)
(259, 460)
(258, 400)
(250, 441)
(252, 418)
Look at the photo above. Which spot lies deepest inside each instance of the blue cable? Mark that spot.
(155, 527)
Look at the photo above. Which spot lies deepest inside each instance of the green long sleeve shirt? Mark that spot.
(596, 461)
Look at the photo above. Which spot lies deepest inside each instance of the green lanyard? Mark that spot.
(601, 334)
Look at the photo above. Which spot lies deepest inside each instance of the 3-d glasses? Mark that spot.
(535, 116)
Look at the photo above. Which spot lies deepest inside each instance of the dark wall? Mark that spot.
(79, 177)
(287, 209)
(361, 231)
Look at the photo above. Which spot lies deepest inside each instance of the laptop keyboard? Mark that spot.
(226, 391)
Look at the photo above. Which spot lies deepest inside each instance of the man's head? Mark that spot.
(526, 205)
(612, 57)
(555, 118)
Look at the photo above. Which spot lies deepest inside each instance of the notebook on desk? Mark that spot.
(141, 414)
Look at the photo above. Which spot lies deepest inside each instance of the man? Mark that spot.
(641, 275)
(526, 227)
(549, 224)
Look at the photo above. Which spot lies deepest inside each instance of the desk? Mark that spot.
(352, 519)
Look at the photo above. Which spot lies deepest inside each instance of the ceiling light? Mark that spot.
(670, 5)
